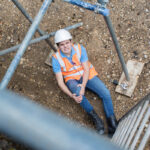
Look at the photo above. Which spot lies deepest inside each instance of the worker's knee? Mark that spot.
(73, 86)
(77, 92)
(105, 93)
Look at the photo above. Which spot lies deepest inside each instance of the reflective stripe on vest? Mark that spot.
(61, 62)
(75, 74)
(74, 67)
(77, 50)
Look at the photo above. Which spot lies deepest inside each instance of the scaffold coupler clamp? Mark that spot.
(124, 86)
(102, 3)
(101, 9)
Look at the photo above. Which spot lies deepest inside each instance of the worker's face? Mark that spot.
(65, 46)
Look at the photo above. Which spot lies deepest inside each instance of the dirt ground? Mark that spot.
(35, 80)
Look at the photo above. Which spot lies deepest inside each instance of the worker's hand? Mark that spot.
(78, 99)
(82, 91)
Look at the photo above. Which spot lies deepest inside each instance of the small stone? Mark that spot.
(109, 61)
(81, 41)
(81, 10)
(147, 10)
(113, 75)
(145, 56)
(8, 38)
(11, 40)
(94, 98)
(87, 26)
(68, 18)
(108, 76)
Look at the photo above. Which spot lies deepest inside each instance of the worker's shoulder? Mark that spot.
(78, 46)
(54, 54)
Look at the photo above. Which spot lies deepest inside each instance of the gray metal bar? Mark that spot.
(145, 139)
(42, 129)
(113, 35)
(136, 124)
(126, 128)
(122, 130)
(131, 127)
(24, 44)
(18, 5)
(136, 137)
(36, 40)
(118, 130)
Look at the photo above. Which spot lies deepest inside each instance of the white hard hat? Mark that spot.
(62, 35)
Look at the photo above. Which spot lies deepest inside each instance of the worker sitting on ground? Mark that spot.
(74, 73)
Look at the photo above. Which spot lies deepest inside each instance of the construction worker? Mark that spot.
(74, 73)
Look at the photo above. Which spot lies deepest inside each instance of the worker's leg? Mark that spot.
(97, 86)
(72, 85)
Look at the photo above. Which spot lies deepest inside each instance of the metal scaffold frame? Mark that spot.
(130, 132)
(27, 40)
(100, 8)
(46, 126)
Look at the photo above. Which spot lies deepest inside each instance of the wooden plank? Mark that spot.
(127, 87)
(48, 60)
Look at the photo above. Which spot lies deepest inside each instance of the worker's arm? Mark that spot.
(64, 88)
(85, 77)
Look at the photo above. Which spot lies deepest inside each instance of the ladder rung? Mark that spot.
(121, 129)
(126, 128)
(117, 132)
(131, 126)
(136, 124)
(145, 139)
(146, 117)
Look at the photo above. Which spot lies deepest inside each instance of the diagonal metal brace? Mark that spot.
(24, 12)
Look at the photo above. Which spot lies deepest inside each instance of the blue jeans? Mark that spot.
(98, 87)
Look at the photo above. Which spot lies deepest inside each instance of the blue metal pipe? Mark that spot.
(114, 38)
(101, 10)
(24, 44)
(18, 5)
(41, 129)
(14, 48)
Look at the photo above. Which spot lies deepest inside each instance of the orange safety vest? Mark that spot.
(73, 71)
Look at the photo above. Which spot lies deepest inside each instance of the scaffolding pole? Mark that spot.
(29, 123)
(100, 9)
(24, 44)
(24, 12)
(36, 40)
